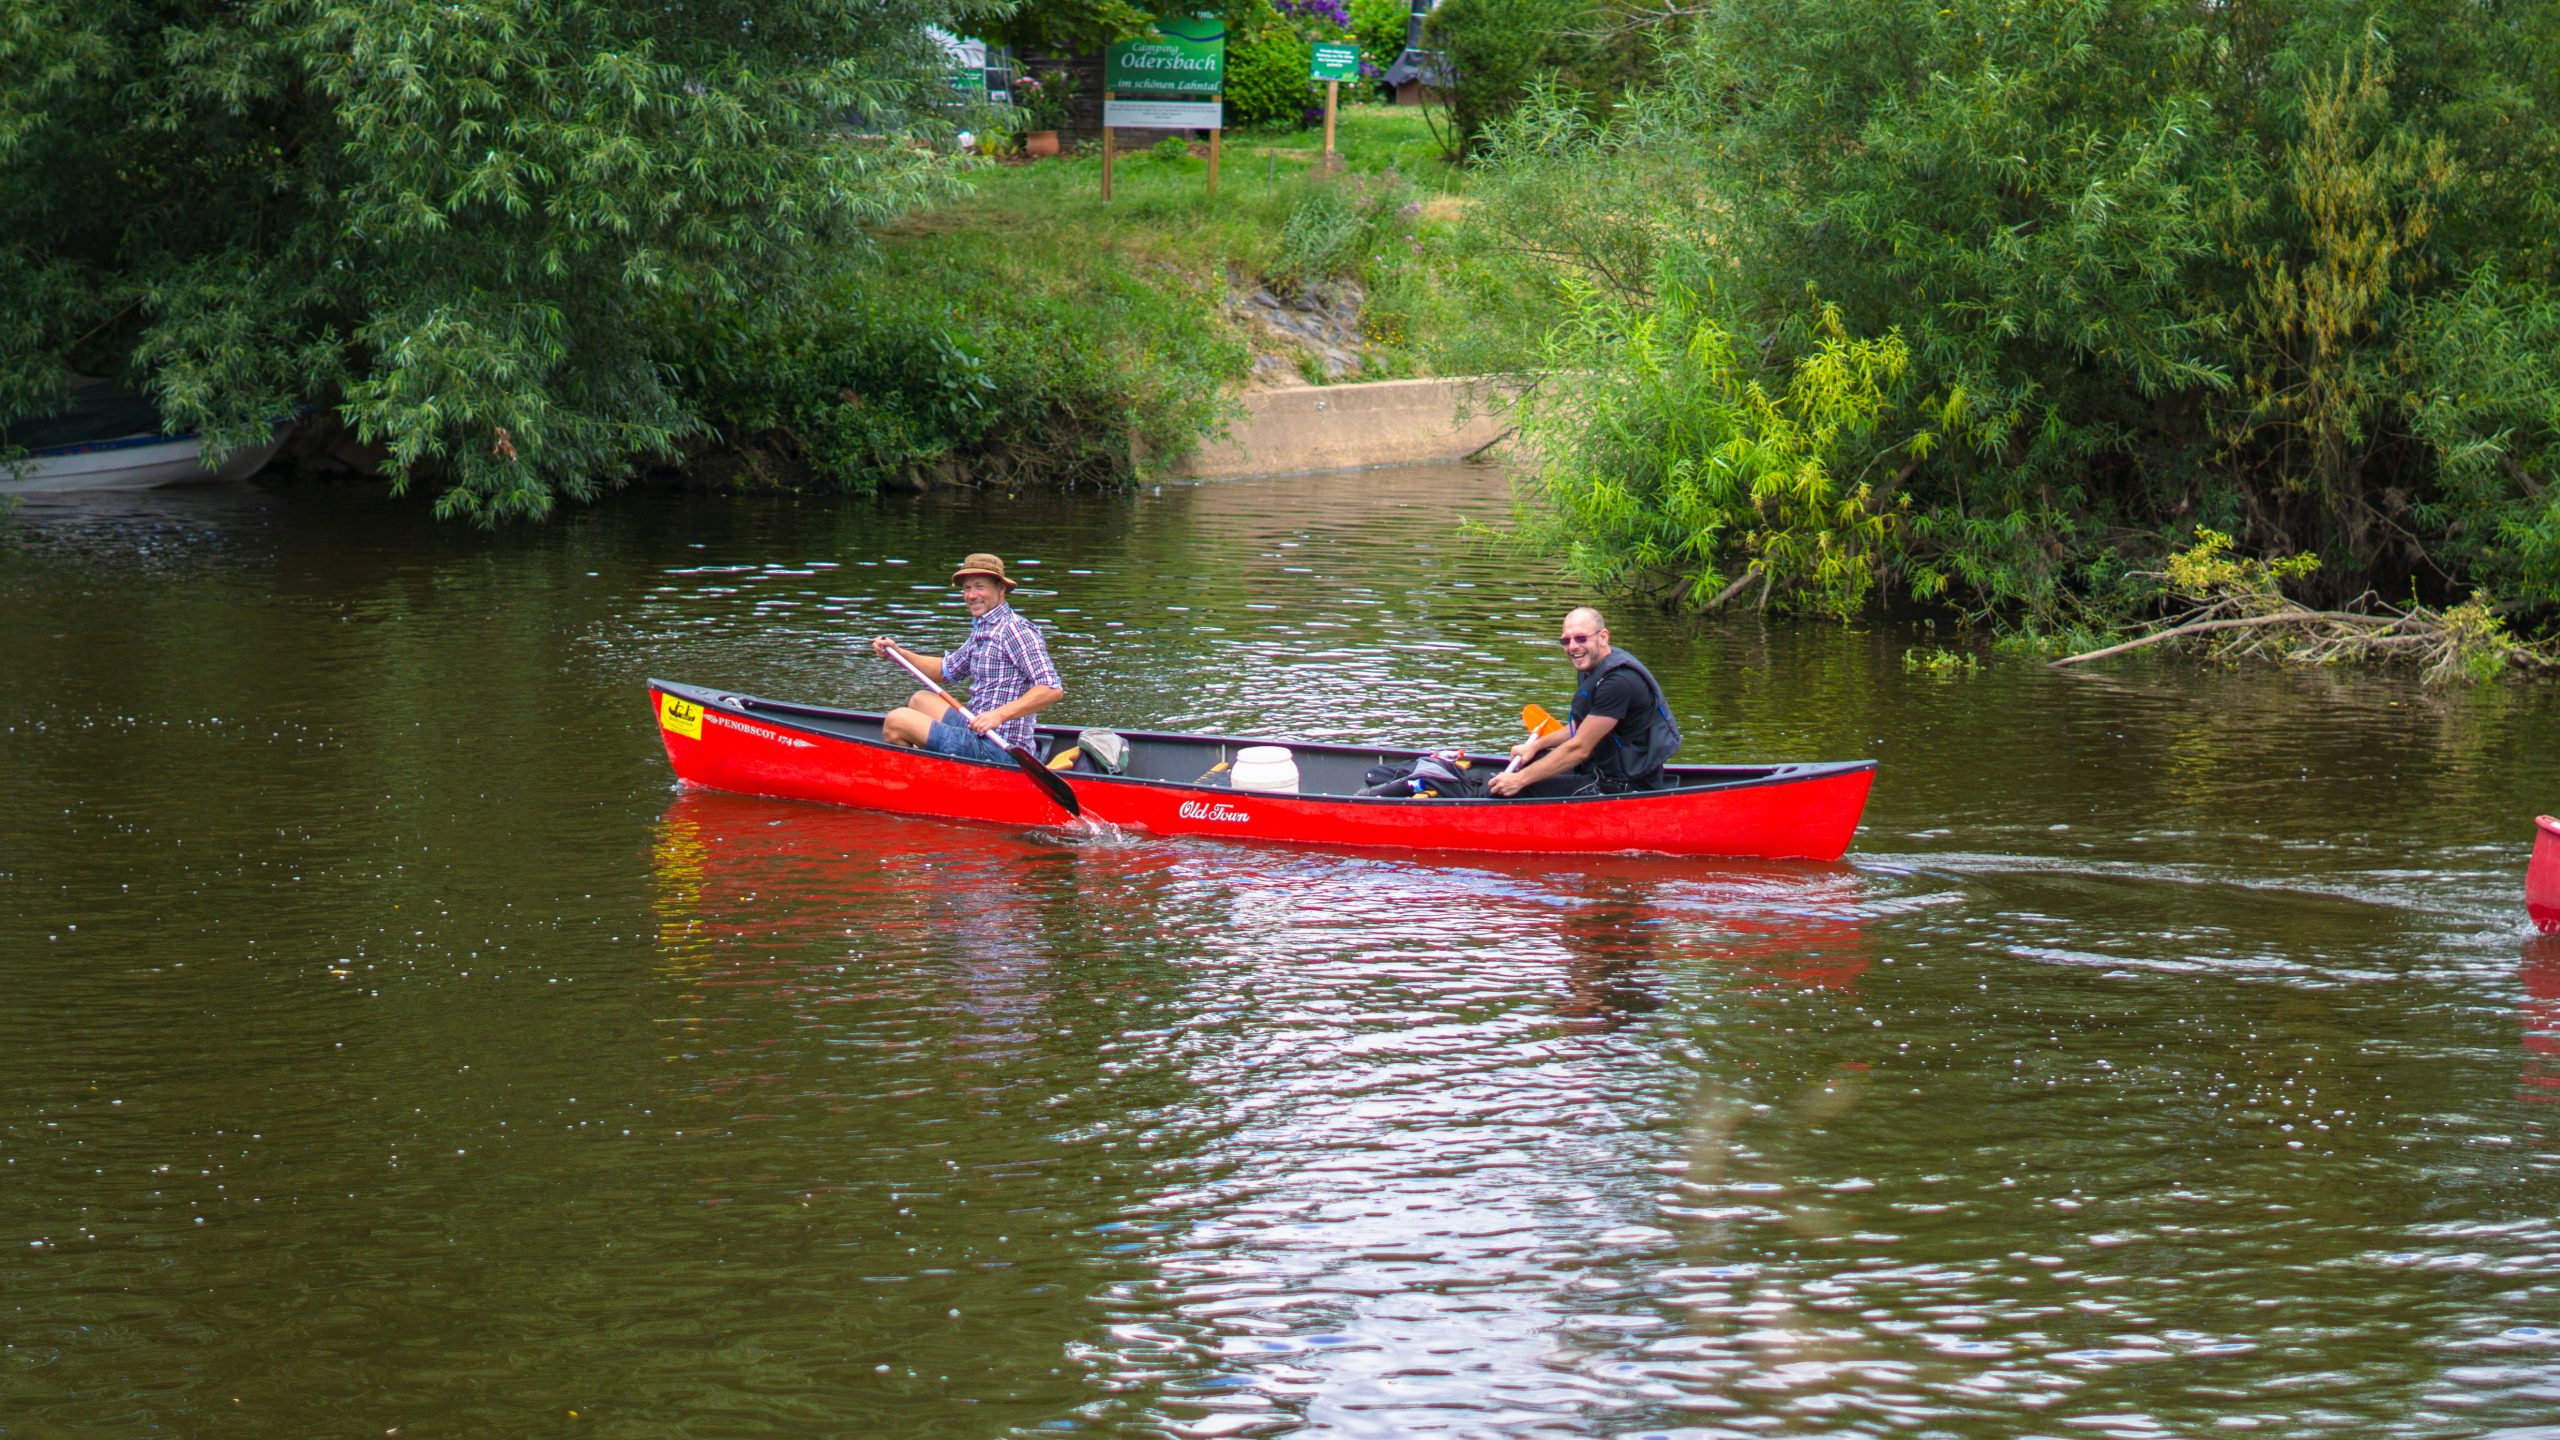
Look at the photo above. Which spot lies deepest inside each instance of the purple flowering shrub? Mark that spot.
(1333, 15)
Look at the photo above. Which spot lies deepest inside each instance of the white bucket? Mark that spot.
(1266, 768)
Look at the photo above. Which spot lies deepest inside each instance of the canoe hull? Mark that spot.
(739, 744)
(133, 463)
(2542, 877)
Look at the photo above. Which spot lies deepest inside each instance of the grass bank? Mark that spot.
(1031, 333)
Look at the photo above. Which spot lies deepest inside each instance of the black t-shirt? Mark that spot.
(1621, 694)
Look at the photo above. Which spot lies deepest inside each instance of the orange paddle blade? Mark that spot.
(1538, 720)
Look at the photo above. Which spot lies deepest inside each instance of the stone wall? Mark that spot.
(1348, 427)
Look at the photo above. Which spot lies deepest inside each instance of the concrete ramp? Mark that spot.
(1350, 427)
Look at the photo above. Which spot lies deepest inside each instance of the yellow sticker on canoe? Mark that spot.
(682, 717)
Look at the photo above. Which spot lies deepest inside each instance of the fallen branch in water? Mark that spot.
(2466, 641)
(2240, 622)
(1736, 587)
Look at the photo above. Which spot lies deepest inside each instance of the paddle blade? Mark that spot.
(1051, 783)
(1538, 720)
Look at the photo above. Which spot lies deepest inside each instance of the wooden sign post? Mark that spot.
(1332, 64)
(1106, 147)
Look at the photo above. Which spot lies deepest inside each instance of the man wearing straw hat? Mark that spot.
(1004, 662)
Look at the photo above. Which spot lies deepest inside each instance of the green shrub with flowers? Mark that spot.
(1044, 100)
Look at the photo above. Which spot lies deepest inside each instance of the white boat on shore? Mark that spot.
(111, 440)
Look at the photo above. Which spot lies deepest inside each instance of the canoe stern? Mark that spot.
(712, 745)
(2542, 877)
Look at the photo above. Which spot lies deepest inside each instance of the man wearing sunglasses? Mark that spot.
(1622, 732)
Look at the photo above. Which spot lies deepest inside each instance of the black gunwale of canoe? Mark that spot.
(781, 712)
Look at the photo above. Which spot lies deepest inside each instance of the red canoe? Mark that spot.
(738, 743)
(2542, 876)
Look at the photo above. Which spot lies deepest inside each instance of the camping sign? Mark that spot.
(1186, 56)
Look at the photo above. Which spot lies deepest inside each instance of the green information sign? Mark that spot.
(1186, 56)
(1335, 62)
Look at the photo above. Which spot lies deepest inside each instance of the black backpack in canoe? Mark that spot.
(1443, 773)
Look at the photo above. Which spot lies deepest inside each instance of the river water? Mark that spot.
(391, 1049)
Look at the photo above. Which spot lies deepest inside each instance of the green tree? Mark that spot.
(1267, 80)
(2263, 268)
(1379, 28)
(1494, 51)
(470, 226)
(1064, 27)
(1688, 466)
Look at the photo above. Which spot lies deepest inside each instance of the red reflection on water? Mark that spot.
(782, 873)
(1628, 921)
(2540, 971)
(832, 907)
(947, 939)
(1802, 953)
(788, 878)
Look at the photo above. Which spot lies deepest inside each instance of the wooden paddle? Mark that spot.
(1050, 782)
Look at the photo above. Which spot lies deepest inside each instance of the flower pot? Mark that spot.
(1040, 142)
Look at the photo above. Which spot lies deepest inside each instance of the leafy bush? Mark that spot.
(2209, 570)
(1378, 27)
(2484, 398)
(1495, 51)
(1078, 373)
(1267, 80)
(1059, 27)
(472, 227)
(2289, 280)
(1681, 474)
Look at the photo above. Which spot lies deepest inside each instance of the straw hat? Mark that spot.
(983, 564)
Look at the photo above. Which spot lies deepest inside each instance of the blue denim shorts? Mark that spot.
(951, 736)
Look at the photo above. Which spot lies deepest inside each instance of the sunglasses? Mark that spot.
(1569, 641)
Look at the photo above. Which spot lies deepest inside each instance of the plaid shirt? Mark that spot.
(1000, 661)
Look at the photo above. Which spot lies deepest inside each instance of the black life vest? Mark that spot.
(1619, 763)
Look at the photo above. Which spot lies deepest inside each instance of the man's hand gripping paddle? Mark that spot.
(1540, 723)
(1050, 782)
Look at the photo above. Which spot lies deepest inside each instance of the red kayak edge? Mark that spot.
(2542, 877)
(722, 741)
